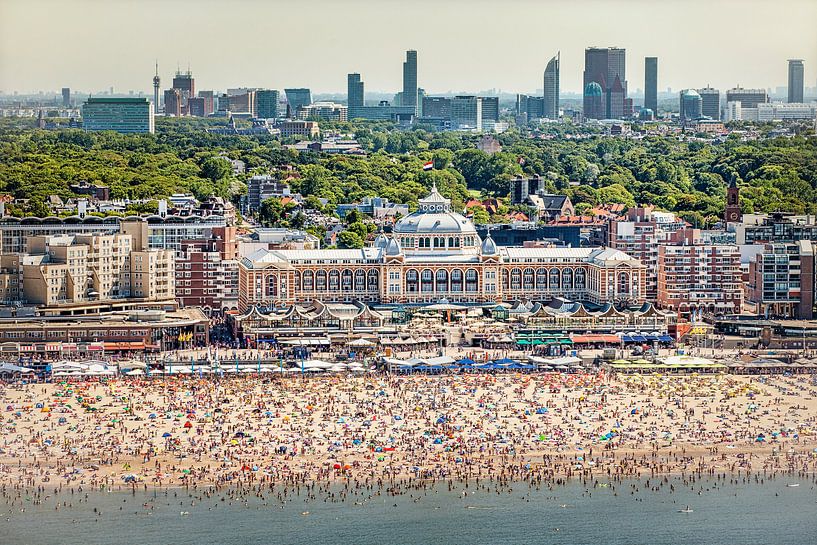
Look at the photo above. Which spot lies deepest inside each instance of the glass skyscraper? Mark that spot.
(651, 83)
(552, 88)
(354, 91)
(266, 103)
(297, 98)
(796, 80)
(409, 97)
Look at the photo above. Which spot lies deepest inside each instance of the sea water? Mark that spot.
(722, 514)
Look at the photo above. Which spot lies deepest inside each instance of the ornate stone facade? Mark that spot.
(436, 254)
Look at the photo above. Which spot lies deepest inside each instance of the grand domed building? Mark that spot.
(433, 254)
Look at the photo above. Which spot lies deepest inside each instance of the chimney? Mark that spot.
(162, 208)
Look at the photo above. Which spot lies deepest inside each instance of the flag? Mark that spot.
(428, 166)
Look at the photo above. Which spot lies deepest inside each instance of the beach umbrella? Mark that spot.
(166, 435)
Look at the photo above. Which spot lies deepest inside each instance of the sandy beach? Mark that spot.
(257, 430)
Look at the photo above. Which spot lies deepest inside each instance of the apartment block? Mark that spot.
(695, 274)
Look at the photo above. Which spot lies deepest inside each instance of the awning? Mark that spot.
(123, 346)
(596, 338)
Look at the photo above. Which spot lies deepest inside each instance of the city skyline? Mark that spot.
(450, 61)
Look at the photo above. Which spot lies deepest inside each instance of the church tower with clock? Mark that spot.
(732, 213)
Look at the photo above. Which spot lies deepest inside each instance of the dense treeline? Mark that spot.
(689, 177)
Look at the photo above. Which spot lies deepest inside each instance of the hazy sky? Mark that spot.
(462, 44)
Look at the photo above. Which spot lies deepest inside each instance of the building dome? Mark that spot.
(393, 247)
(592, 89)
(488, 246)
(434, 217)
(381, 241)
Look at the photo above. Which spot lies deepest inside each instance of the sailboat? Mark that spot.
(687, 510)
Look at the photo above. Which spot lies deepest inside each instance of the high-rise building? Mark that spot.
(410, 79)
(156, 82)
(266, 103)
(437, 107)
(297, 98)
(490, 109)
(173, 102)
(604, 66)
(466, 112)
(796, 80)
(185, 83)
(125, 115)
(354, 91)
(66, 97)
(691, 106)
(209, 102)
(551, 88)
(782, 280)
(651, 83)
(710, 102)
(593, 101)
(748, 98)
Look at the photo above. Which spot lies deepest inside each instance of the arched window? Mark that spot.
(456, 280)
(567, 279)
(372, 280)
(506, 279)
(471, 281)
(427, 281)
(421, 242)
(320, 281)
(428, 242)
(581, 279)
(360, 280)
(346, 280)
(624, 283)
(309, 281)
(334, 280)
(442, 281)
(297, 281)
(272, 285)
(412, 280)
(554, 280)
(516, 279)
(541, 279)
(451, 242)
(527, 280)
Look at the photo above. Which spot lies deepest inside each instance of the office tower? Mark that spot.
(691, 106)
(209, 102)
(651, 83)
(409, 97)
(421, 95)
(66, 97)
(125, 115)
(490, 109)
(266, 103)
(748, 98)
(156, 81)
(604, 66)
(466, 112)
(437, 107)
(195, 106)
(354, 91)
(796, 80)
(173, 102)
(185, 83)
(710, 102)
(552, 88)
(593, 101)
(297, 98)
(243, 100)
